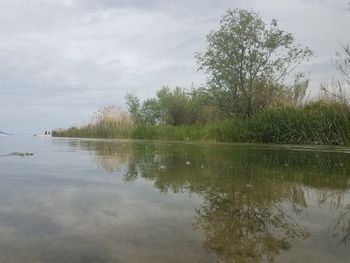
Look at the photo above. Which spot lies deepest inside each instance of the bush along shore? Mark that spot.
(326, 123)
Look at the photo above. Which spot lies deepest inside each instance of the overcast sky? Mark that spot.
(63, 59)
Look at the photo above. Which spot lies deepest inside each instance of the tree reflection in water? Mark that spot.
(335, 200)
(251, 222)
(252, 195)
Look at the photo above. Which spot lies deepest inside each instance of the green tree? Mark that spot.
(203, 108)
(150, 112)
(133, 104)
(245, 56)
(175, 106)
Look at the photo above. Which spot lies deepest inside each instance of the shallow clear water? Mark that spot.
(135, 201)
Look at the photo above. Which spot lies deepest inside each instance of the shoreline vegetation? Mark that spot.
(250, 95)
(321, 123)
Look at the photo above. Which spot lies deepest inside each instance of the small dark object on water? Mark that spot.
(22, 154)
(19, 154)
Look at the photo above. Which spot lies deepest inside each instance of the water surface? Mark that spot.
(134, 201)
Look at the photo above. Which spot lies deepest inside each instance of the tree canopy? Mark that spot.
(247, 59)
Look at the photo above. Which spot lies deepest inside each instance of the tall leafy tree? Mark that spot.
(133, 104)
(245, 55)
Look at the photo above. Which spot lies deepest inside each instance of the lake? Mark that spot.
(81, 200)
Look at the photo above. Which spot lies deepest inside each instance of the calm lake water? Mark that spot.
(134, 201)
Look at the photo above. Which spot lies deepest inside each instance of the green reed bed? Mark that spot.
(316, 123)
(180, 133)
(94, 132)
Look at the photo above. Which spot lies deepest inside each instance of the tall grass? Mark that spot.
(107, 122)
(316, 123)
(112, 117)
(322, 122)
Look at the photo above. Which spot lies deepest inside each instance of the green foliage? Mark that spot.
(316, 123)
(175, 106)
(203, 109)
(90, 131)
(247, 98)
(133, 104)
(163, 132)
(247, 61)
(107, 122)
(150, 112)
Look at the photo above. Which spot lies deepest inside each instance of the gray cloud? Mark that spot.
(61, 60)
